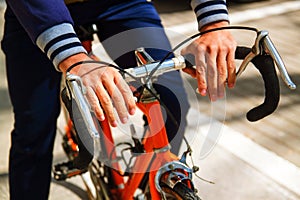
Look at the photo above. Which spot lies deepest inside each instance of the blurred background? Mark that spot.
(252, 160)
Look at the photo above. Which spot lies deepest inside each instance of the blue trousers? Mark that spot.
(34, 86)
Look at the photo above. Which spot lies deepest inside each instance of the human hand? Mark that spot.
(105, 88)
(214, 60)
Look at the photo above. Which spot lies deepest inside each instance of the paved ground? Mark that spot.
(262, 165)
(278, 132)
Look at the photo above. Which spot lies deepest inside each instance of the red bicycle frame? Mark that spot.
(156, 150)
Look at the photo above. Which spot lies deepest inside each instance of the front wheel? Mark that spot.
(180, 192)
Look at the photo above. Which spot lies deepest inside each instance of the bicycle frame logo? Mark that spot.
(192, 123)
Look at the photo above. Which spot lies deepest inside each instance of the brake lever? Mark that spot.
(270, 49)
(263, 44)
(77, 90)
(255, 51)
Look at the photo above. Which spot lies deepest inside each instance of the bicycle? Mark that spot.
(151, 171)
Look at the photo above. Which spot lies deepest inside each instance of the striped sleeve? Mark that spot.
(209, 11)
(59, 42)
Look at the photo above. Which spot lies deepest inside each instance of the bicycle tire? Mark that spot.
(180, 192)
(102, 192)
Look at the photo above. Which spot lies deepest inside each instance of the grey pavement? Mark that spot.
(251, 161)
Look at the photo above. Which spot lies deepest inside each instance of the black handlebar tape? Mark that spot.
(265, 65)
(84, 157)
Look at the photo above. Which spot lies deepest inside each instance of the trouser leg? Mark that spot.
(34, 91)
(121, 36)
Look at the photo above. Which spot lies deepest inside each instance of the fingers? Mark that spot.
(231, 67)
(127, 95)
(212, 75)
(106, 91)
(94, 102)
(107, 103)
(200, 61)
(120, 97)
(191, 72)
(215, 64)
(201, 72)
(222, 73)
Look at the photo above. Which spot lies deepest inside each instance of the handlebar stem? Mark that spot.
(175, 63)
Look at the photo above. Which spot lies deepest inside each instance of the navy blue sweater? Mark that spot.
(50, 26)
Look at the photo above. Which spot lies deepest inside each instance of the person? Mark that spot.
(243, 1)
(40, 44)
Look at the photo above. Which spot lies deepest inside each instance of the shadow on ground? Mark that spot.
(75, 189)
(253, 87)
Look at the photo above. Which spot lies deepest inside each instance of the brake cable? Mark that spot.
(151, 74)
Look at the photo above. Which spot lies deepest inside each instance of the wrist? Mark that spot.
(69, 61)
(214, 25)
